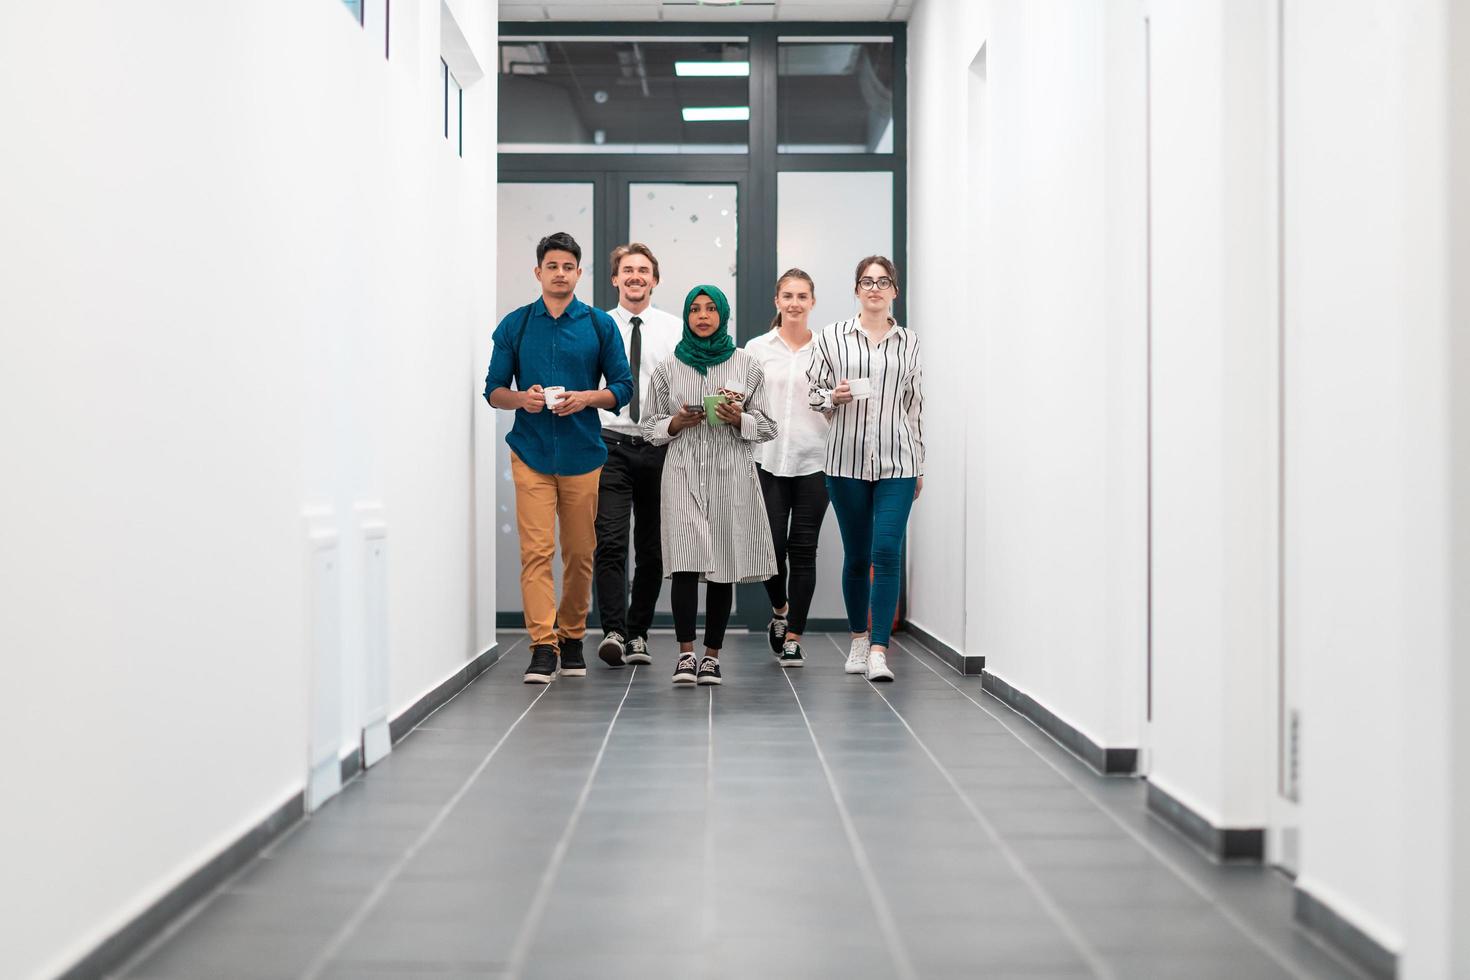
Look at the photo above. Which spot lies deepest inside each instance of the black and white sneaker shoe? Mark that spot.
(638, 651)
(611, 649)
(791, 655)
(776, 633)
(572, 662)
(685, 670)
(543, 665)
(709, 671)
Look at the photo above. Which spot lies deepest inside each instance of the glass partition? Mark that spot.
(624, 95)
(834, 95)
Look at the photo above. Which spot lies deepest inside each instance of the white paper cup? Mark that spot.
(553, 395)
(860, 387)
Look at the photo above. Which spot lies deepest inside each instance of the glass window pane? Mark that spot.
(835, 96)
(528, 213)
(692, 229)
(814, 210)
(624, 95)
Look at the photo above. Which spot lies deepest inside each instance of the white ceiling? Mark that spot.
(691, 11)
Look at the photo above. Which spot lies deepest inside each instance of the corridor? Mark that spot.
(795, 823)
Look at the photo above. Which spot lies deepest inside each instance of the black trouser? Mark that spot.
(628, 493)
(718, 598)
(796, 506)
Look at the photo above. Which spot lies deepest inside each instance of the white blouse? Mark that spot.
(882, 436)
(800, 447)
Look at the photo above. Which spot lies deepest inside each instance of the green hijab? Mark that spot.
(703, 353)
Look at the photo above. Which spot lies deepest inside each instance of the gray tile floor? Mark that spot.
(798, 823)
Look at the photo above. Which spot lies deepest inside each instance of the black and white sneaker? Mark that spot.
(776, 633)
(638, 651)
(573, 664)
(611, 649)
(791, 655)
(685, 670)
(709, 671)
(543, 665)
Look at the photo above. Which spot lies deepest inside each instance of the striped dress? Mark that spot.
(714, 518)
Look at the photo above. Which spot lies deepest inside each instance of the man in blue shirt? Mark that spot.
(557, 351)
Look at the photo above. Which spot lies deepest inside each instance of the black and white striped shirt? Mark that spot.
(880, 437)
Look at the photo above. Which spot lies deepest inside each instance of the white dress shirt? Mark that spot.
(661, 333)
(880, 437)
(800, 446)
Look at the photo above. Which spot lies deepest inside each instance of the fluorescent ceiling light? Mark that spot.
(715, 113)
(712, 69)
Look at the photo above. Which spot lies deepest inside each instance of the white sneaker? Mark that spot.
(857, 656)
(878, 666)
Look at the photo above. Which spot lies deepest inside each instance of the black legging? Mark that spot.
(718, 598)
(796, 506)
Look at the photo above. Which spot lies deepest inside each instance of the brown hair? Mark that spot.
(792, 273)
(882, 260)
(632, 248)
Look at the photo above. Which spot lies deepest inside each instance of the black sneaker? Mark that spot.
(709, 671)
(543, 665)
(791, 655)
(611, 649)
(572, 663)
(776, 633)
(685, 670)
(638, 651)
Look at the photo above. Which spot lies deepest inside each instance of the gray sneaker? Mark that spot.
(638, 651)
(611, 649)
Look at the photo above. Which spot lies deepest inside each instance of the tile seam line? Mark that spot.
(1256, 939)
(190, 914)
(471, 683)
(521, 948)
(1090, 955)
(359, 916)
(886, 921)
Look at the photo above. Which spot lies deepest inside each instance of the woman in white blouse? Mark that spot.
(866, 378)
(790, 466)
(708, 405)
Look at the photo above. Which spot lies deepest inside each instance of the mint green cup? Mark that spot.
(710, 401)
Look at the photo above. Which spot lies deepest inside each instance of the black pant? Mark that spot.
(800, 504)
(628, 492)
(718, 598)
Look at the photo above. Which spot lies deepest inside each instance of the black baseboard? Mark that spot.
(426, 705)
(1320, 919)
(964, 663)
(117, 948)
(1108, 761)
(663, 621)
(352, 763)
(1245, 844)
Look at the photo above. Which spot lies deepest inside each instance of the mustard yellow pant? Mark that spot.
(540, 501)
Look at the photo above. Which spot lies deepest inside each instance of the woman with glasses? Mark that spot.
(866, 378)
(790, 467)
(708, 405)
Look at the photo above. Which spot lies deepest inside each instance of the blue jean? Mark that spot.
(872, 516)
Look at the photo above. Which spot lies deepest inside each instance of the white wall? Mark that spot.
(242, 273)
(1368, 516)
(1214, 419)
(1042, 350)
(1374, 151)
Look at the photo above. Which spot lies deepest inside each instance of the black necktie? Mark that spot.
(635, 357)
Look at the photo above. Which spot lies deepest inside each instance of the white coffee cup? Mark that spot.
(860, 387)
(553, 395)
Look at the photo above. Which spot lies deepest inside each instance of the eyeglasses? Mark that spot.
(882, 282)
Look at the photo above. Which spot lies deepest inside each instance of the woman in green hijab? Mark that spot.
(707, 404)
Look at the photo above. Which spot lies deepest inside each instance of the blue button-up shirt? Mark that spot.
(576, 350)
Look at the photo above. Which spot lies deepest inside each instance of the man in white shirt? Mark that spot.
(628, 489)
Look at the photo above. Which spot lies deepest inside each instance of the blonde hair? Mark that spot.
(792, 273)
